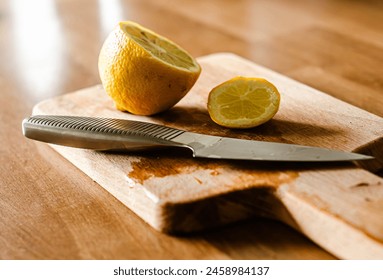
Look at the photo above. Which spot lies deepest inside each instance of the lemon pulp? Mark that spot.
(161, 48)
(243, 102)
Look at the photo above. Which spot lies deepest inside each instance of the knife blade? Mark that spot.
(108, 134)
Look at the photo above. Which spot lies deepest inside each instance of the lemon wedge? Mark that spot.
(243, 102)
(143, 72)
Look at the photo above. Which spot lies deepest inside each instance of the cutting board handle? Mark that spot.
(338, 209)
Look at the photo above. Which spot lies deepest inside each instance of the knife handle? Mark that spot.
(103, 134)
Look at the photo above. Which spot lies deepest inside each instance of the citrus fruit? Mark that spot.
(143, 72)
(243, 102)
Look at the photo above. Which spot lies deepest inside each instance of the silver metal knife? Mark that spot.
(107, 134)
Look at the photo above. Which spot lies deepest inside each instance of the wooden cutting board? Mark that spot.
(339, 206)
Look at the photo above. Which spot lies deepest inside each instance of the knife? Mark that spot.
(108, 134)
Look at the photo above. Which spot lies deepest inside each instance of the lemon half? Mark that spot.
(143, 72)
(243, 102)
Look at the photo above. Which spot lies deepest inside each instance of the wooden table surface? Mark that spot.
(51, 210)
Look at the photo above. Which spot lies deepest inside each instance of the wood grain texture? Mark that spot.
(51, 210)
(176, 193)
